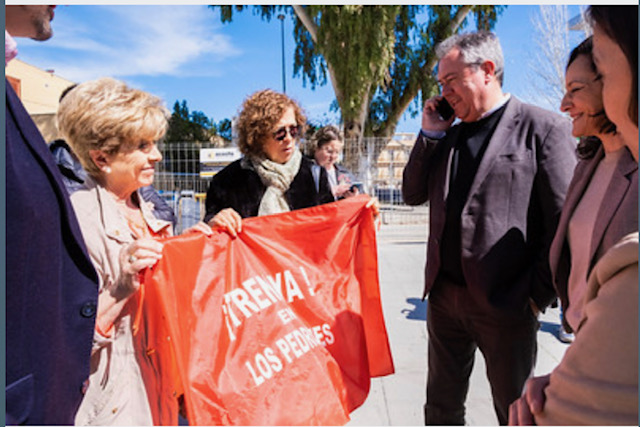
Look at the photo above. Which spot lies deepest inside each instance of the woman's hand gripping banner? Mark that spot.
(282, 325)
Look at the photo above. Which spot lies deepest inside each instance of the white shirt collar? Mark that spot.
(496, 107)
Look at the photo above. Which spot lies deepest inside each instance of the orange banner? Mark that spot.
(280, 326)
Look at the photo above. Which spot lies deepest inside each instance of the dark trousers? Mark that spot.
(456, 327)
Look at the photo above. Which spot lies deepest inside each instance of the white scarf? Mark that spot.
(277, 178)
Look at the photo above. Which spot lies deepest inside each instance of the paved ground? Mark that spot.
(397, 399)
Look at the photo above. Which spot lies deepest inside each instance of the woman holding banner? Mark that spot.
(113, 130)
(272, 176)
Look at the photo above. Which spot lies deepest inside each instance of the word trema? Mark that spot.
(260, 292)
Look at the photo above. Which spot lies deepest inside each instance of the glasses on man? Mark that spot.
(451, 78)
(281, 133)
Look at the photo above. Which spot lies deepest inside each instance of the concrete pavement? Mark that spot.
(398, 399)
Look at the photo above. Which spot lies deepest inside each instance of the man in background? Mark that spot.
(51, 285)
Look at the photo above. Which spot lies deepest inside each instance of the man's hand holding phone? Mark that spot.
(437, 114)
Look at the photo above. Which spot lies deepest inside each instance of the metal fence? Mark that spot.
(179, 182)
(376, 162)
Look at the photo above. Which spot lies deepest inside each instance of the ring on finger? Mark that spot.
(132, 258)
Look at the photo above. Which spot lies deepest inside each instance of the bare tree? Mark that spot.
(548, 61)
(553, 38)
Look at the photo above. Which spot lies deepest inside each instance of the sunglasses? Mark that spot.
(281, 133)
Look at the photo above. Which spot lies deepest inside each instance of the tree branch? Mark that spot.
(312, 28)
(303, 16)
(412, 88)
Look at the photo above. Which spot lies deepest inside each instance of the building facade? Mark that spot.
(40, 92)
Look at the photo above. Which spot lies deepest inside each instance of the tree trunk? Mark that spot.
(312, 28)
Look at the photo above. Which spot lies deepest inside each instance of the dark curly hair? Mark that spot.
(258, 116)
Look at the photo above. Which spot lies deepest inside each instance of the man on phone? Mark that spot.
(495, 183)
(51, 285)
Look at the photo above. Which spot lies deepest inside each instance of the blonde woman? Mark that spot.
(113, 130)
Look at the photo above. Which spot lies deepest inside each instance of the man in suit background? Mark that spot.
(51, 285)
(495, 183)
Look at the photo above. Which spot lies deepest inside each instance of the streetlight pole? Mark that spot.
(284, 78)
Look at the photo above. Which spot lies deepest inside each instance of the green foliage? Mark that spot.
(179, 126)
(412, 72)
(379, 58)
(185, 126)
(358, 42)
(487, 16)
(265, 12)
(224, 129)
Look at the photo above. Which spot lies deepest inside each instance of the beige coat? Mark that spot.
(597, 380)
(119, 392)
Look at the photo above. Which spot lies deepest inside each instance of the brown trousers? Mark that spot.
(457, 325)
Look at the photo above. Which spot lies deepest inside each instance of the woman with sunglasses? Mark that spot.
(272, 176)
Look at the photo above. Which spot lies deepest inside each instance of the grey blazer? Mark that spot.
(512, 210)
(617, 216)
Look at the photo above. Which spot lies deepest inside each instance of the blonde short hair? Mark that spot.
(260, 112)
(107, 115)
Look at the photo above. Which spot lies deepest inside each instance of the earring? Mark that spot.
(107, 169)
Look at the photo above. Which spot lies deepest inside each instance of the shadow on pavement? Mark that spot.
(419, 310)
(551, 328)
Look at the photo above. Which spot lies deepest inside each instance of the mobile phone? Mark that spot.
(357, 185)
(444, 109)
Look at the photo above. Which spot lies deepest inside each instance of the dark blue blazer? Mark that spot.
(51, 285)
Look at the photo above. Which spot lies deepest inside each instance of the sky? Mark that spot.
(187, 53)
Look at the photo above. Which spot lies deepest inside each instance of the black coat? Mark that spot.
(241, 189)
(51, 288)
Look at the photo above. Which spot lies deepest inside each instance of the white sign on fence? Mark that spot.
(212, 160)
